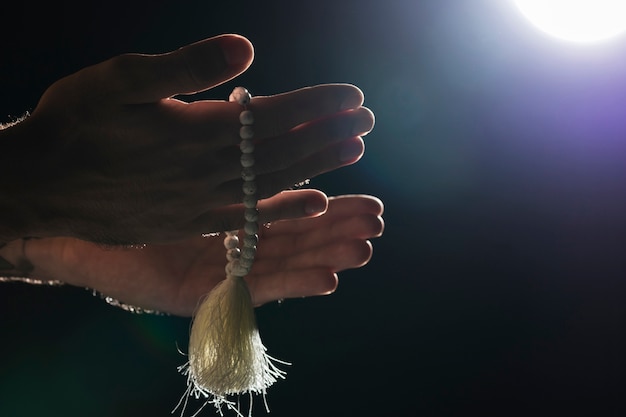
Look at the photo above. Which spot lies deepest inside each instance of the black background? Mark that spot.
(498, 287)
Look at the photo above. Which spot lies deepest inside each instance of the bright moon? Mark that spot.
(583, 21)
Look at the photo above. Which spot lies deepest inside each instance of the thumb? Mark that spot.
(140, 78)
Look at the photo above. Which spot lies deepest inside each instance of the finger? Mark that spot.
(285, 205)
(345, 204)
(138, 78)
(279, 113)
(274, 116)
(291, 284)
(285, 162)
(336, 256)
(334, 157)
(306, 140)
(170, 122)
(264, 287)
(338, 207)
(358, 226)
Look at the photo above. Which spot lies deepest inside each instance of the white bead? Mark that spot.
(246, 146)
(232, 254)
(246, 132)
(231, 242)
(246, 263)
(247, 160)
(250, 240)
(251, 215)
(251, 228)
(249, 187)
(247, 174)
(249, 201)
(240, 260)
(246, 117)
(240, 95)
(248, 252)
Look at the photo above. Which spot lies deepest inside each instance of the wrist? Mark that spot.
(16, 264)
(13, 261)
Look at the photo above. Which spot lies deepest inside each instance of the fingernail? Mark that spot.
(350, 150)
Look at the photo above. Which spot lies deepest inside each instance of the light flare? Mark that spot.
(581, 21)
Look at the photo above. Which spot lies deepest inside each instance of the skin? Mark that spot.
(295, 258)
(116, 156)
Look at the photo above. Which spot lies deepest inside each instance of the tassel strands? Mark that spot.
(226, 355)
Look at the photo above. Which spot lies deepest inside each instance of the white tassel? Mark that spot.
(226, 355)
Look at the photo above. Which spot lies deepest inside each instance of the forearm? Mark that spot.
(60, 261)
(33, 182)
(12, 222)
(13, 263)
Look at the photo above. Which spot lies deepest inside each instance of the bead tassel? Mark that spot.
(226, 355)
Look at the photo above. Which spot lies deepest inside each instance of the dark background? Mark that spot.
(498, 287)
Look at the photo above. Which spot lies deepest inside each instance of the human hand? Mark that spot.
(109, 155)
(295, 258)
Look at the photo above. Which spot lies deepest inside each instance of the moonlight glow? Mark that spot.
(581, 21)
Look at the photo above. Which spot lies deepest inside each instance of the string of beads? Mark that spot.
(240, 260)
